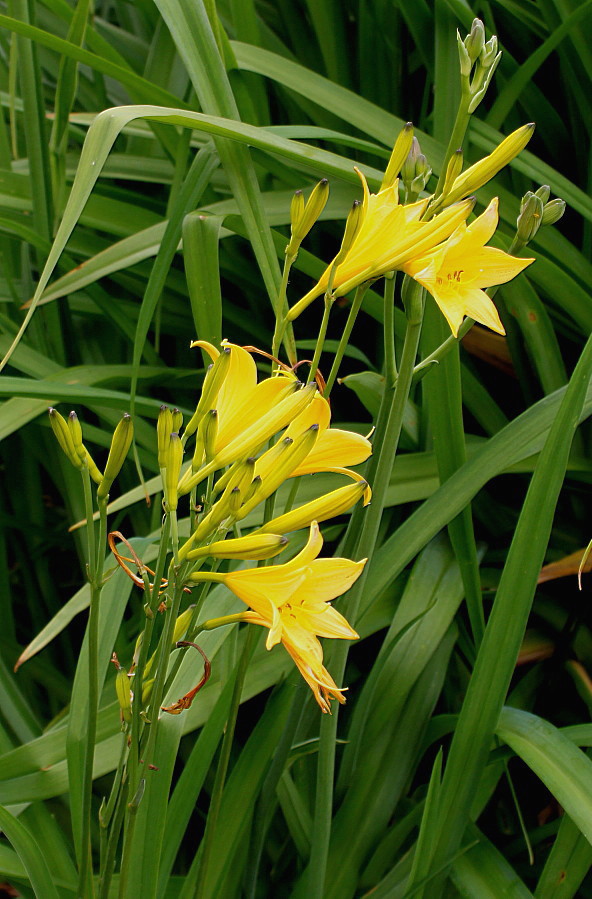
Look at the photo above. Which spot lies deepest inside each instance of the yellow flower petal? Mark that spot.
(455, 272)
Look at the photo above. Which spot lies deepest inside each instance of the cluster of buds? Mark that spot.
(69, 437)
(535, 210)
(478, 58)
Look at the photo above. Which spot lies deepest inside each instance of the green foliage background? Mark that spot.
(291, 92)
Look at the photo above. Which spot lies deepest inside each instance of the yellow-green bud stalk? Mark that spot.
(353, 224)
(210, 433)
(63, 435)
(553, 211)
(173, 462)
(488, 62)
(326, 506)
(164, 429)
(312, 210)
(398, 156)
(279, 462)
(120, 444)
(254, 547)
(483, 171)
(213, 381)
(124, 695)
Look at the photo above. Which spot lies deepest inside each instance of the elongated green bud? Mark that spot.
(353, 224)
(213, 381)
(415, 172)
(120, 444)
(398, 156)
(327, 506)
(312, 210)
(531, 217)
(63, 435)
(123, 692)
(255, 547)
(174, 460)
(475, 40)
(164, 429)
(543, 192)
(553, 211)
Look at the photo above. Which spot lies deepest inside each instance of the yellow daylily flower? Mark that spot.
(456, 272)
(292, 600)
(389, 236)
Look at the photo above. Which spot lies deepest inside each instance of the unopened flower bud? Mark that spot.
(63, 435)
(210, 433)
(543, 192)
(327, 506)
(398, 156)
(312, 210)
(352, 227)
(173, 462)
(453, 170)
(489, 53)
(254, 547)
(475, 40)
(415, 172)
(120, 444)
(463, 57)
(213, 381)
(164, 429)
(123, 692)
(483, 171)
(530, 218)
(177, 420)
(296, 209)
(553, 211)
(76, 434)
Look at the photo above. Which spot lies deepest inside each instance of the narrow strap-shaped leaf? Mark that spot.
(30, 853)
(505, 629)
(564, 769)
(201, 239)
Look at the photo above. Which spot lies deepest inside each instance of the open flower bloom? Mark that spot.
(390, 235)
(292, 600)
(456, 272)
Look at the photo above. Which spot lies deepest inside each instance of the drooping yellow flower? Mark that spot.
(456, 272)
(292, 600)
(390, 234)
